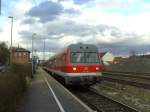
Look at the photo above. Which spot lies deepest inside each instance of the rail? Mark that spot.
(125, 72)
(99, 102)
(142, 80)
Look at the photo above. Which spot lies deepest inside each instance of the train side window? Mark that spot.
(50, 62)
(64, 59)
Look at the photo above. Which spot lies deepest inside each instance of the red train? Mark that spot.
(76, 64)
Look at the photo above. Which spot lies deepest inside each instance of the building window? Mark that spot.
(24, 54)
(19, 54)
(15, 54)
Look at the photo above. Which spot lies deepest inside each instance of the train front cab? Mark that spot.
(84, 78)
(83, 66)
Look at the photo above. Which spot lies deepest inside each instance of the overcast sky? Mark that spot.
(117, 26)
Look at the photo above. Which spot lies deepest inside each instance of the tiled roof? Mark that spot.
(16, 49)
(101, 54)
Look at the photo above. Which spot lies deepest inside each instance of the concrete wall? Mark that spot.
(108, 57)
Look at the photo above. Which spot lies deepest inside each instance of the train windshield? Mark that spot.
(84, 57)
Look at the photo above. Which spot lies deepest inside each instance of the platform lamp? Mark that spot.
(11, 17)
(33, 35)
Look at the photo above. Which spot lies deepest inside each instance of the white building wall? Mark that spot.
(108, 57)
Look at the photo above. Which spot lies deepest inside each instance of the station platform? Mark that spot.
(47, 95)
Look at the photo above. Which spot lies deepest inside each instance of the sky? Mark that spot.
(116, 26)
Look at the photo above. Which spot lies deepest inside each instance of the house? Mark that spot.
(20, 55)
(119, 59)
(106, 57)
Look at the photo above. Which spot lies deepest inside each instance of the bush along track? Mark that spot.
(13, 84)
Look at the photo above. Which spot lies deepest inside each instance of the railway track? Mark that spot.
(142, 80)
(98, 102)
(123, 72)
(129, 74)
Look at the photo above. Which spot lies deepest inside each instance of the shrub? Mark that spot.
(12, 86)
(4, 53)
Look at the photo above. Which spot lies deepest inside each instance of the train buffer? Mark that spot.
(45, 94)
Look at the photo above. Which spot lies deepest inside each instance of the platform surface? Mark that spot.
(47, 95)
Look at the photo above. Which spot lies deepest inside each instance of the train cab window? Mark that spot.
(84, 57)
(91, 58)
(77, 57)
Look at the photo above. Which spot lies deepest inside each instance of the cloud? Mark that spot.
(29, 21)
(23, 6)
(46, 11)
(117, 26)
(110, 31)
(16, 8)
(1, 29)
(49, 11)
(118, 49)
(71, 11)
(80, 2)
(59, 34)
(26, 35)
(116, 3)
(98, 34)
(50, 45)
(71, 28)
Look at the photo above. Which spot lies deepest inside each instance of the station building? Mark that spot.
(20, 55)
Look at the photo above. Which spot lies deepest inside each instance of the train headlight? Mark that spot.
(97, 68)
(74, 68)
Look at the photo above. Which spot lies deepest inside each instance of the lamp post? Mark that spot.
(11, 34)
(11, 17)
(32, 53)
(33, 35)
(44, 51)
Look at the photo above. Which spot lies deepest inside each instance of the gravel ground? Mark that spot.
(135, 97)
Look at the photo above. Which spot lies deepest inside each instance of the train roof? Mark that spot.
(78, 48)
(82, 48)
(57, 54)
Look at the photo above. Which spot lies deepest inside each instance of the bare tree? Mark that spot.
(132, 53)
(4, 53)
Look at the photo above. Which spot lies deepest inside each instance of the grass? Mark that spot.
(12, 86)
(140, 65)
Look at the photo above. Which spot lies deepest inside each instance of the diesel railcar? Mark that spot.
(76, 64)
